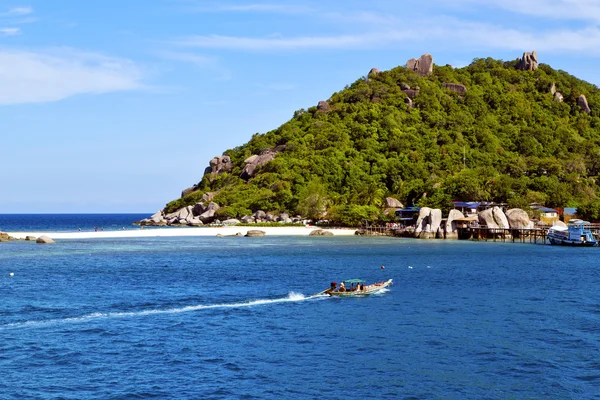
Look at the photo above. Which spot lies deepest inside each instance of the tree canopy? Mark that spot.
(506, 139)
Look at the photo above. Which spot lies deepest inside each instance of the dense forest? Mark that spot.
(507, 138)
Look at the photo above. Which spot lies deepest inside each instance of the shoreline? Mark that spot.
(184, 232)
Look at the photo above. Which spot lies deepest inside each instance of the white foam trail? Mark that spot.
(291, 297)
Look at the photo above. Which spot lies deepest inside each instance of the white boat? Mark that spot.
(576, 234)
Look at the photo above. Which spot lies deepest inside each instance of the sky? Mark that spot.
(117, 106)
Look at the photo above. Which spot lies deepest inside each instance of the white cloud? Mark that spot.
(10, 31)
(33, 77)
(588, 10)
(304, 42)
(20, 11)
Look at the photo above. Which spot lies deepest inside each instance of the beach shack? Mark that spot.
(408, 216)
(548, 215)
(468, 208)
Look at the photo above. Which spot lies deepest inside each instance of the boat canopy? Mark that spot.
(353, 281)
(579, 222)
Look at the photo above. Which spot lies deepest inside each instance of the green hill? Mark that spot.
(506, 139)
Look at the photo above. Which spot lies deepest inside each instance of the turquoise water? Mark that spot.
(231, 318)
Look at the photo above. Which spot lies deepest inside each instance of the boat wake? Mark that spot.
(291, 297)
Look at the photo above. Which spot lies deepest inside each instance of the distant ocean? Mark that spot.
(232, 318)
(67, 222)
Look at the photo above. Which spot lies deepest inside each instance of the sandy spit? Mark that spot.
(180, 232)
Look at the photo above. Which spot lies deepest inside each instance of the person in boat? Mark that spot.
(342, 287)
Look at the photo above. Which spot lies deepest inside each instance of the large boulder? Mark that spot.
(423, 65)
(260, 215)
(456, 88)
(529, 61)
(320, 232)
(259, 160)
(453, 215)
(373, 72)
(231, 221)
(391, 202)
(157, 217)
(583, 104)
(493, 218)
(218, 165)
(517, 218)
(558, 97)
(255, 233)
(44, 240)
(435, 219)
(207, 216)
(486, 218)
(451, 231)
(189, 190)
(323, 106)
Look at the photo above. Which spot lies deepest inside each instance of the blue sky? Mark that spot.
(116, 106)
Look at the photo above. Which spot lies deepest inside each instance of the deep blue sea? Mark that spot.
(232, 318)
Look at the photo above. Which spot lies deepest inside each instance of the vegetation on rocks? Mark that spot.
(507, 138)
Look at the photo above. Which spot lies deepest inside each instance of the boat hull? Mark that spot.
(574, 243)
(368, 290)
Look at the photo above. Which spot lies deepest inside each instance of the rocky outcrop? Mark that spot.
(411, 93)
(553, 89)
(423, 65)
(373, 72)
(391, 202)
(428, 223)
(323, 106)
(5, 237)
(558, 97)
(517, 218)
(320, 232)
(493, 218)
(218, 165)
(456, 88)
(408, 102)
(261, 159)
(255, 233)
(583, 104)
(451, 231)
(529, 61)
(44, 240)
(30, 238)
(189, 190)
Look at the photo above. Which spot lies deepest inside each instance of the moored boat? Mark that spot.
(355, 287)
(576, 234)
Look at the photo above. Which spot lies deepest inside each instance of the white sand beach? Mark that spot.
(184, 231)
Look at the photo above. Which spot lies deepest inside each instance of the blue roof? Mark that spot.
(467, 204)
(547, 210)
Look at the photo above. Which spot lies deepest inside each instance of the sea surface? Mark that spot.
(233, 318)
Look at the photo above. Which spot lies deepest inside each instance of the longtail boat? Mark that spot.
(355, 287)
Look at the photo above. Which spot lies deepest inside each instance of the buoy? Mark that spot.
(11, 274)
(428, 266)
(409, 267)
(382, 267)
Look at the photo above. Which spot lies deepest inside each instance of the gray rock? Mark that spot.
(231, 221)
(255, 233)
(373, 72)
(486, 218)
(320, 232)
(207, 216)
(260, 215)
(529, 61)
(453, 215)
(500, 218)
(247, 219)
(411, 93)
(44, 240)
(558, 97)
(423, 65)
(189, 190)
(195, 222)
(261, 159)
(423, 226)
(208, 196)
(212, 206)
(553, 89)
(391, 202)
(269, 217)
(198, 208)
(30, 238)
(323, 106)
(404, 86)
(408, 102)
(517, 218)
(456, 87)
(157, 217)
(220, 164)
(435, 218)
(583, 104)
